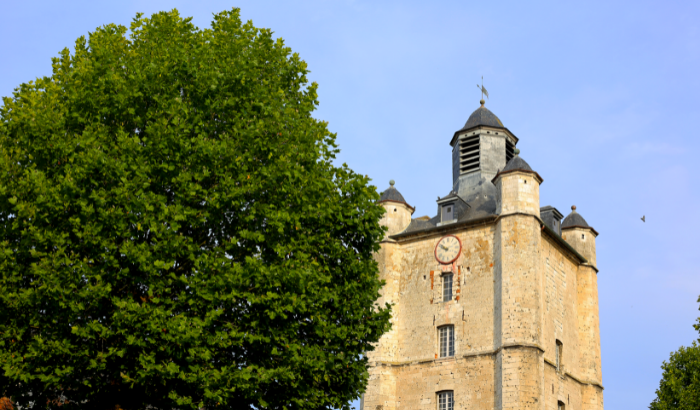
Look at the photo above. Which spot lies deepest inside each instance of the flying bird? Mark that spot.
(643, 218)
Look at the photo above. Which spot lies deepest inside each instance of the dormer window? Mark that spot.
(552, 218)
(451, 208)
(448, 212)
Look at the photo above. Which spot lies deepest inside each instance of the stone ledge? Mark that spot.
(489, 352)
(575, 378)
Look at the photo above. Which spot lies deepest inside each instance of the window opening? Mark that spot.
(510, 148)
(447, 287)
(583, 236)
(446, 400)
(469, 154)
(447, 341)
(558, 353)
(560, 405)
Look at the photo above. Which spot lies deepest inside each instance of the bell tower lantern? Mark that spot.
(479, 150)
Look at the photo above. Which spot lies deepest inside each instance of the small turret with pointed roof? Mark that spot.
(398, 212)
(518, 188)
(392, 194)
(581, 236)
(574, 219)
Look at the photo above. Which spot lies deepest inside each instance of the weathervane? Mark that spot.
(483, 90)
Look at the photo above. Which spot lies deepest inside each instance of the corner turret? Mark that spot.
(398, 212)
(517, 188)
(579, 235)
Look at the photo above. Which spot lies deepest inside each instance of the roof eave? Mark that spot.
(559, 240)
(500, 173)
(580, 227)
(441, 228)
(451, 199)
(454, 137)
(413, 209)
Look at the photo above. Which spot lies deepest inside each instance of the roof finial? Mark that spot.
(516, 152)
(573, 208)
(392, 182)
(483, 91)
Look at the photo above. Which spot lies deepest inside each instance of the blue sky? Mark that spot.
(604, 97)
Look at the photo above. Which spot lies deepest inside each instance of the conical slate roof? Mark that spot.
(517, 163)
(574, 219)
(483, 116)
(392, 194)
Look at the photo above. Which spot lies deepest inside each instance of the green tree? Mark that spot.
(680, 383)
(174, 233)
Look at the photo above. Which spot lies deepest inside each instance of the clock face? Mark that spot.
(448, 249)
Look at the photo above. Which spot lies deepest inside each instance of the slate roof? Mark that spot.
(574, 219)
(449, 196)
(392, 194)
(483, 116)
(517, 163)
(479, 208)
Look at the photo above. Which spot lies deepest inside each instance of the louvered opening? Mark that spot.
(509, 150)
(469, 154)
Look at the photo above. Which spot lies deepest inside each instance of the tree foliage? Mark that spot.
(680, 383)
(174, 233)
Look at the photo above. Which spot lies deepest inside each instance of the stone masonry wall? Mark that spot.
(589, 325)
(518, 326)
(515, 293)
(421, 311)
(583, 240)
(397, 217)
(518, 192)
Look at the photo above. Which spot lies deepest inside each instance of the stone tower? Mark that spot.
(495, 299)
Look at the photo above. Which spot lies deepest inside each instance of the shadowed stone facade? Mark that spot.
(521, 298)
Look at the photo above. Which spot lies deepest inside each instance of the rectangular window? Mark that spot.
(447, 287)
(446, 400)
(558, 353)
(447, 341)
